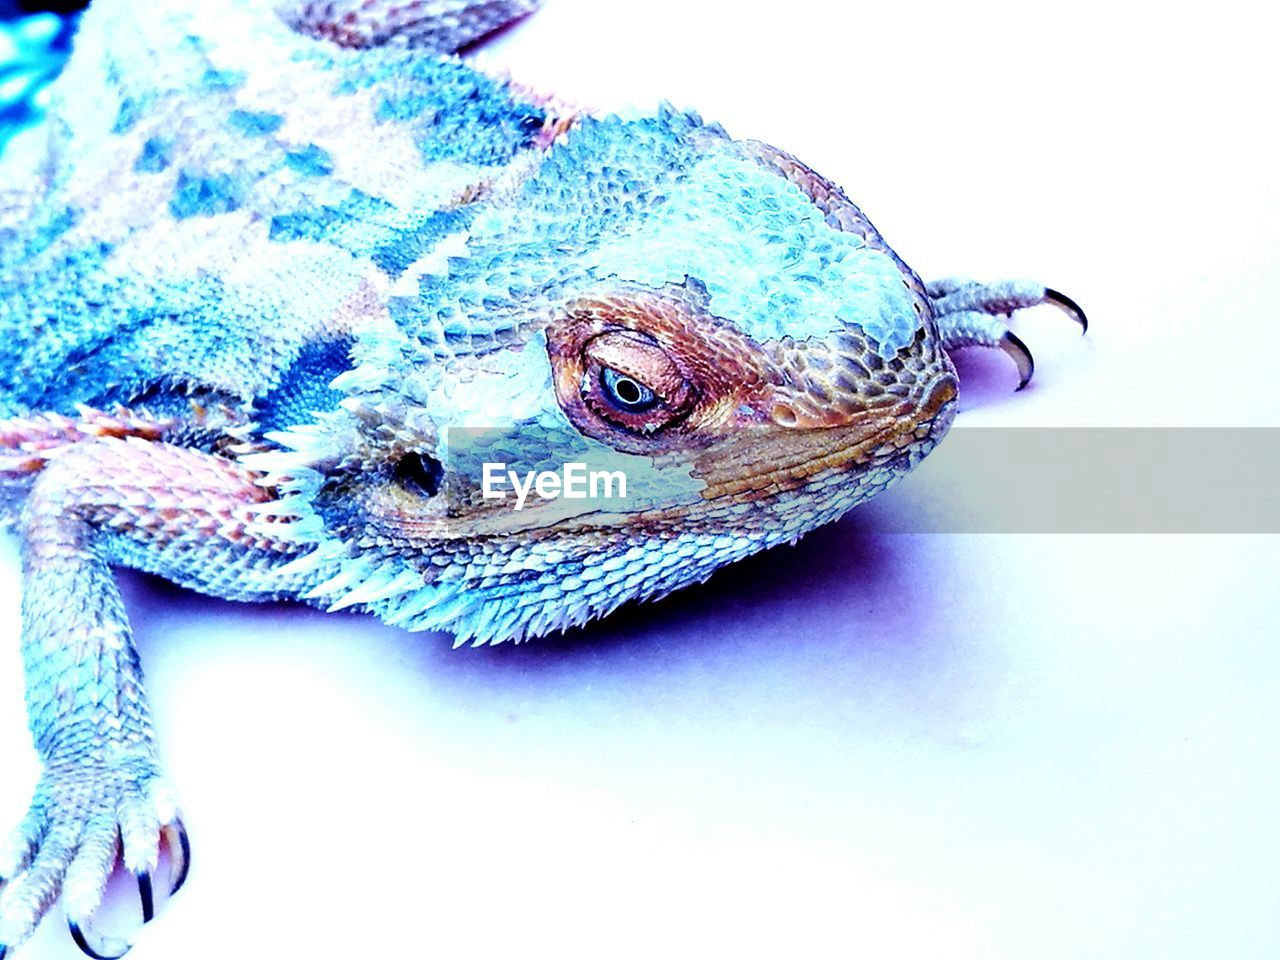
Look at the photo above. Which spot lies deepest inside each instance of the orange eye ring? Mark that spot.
(649, 372)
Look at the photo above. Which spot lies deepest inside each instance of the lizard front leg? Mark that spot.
(969, 315)
(101, 796)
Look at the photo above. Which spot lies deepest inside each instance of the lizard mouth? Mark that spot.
(756, 465)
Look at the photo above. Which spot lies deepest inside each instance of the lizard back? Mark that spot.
(206, 206)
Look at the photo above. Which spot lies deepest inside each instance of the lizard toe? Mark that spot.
(85, 821)
(29, 895)
(972, 314)
(19, 847)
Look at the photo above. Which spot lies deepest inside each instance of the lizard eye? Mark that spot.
(631, 382)
(627, 393)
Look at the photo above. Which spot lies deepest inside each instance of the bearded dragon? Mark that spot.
(280, 281)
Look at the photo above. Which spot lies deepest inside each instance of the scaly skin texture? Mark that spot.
(278, 282)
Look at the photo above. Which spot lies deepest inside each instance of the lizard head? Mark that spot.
(707, 318)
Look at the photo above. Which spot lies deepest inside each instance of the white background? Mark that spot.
(869, 745)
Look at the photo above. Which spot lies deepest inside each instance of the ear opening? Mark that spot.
(419, 473)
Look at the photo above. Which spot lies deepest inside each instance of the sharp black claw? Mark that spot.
(181, 856)
(145, 895)
(1068, 306)
(1016, 349)
(83, 943)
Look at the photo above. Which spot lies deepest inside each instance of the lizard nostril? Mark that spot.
(419, 474)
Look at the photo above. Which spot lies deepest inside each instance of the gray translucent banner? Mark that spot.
(978, 480)
(1090, 480)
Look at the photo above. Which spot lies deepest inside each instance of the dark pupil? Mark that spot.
(628, 391)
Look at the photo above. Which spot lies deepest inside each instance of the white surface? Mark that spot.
(868, 745)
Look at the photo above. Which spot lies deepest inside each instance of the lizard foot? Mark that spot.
(972, 314)
(85, 818)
